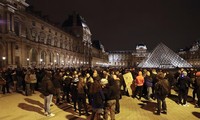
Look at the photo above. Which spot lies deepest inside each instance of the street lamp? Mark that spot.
(27, 61)
(41, 60)
(3, 58)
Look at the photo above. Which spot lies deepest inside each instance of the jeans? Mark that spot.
(47, 102)
(149, 92)
(110, 107)
(164, 105)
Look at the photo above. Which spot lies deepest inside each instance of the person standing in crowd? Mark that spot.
(97, 99)
(73, 89)
(117, 85)
(149, 83)
(57, 81)
(154, 78)
(88, 80)
(139, 85)
(19, 78)
(48, 90)
(110, 93)
(2, 80)
(191, 75)
(67, 79)
(7, 75)
(161, 92)
(81, 98)
(28, 82)
(197, 87)
(183, 87)
(169, 76)
(33, 80)
(122, 83)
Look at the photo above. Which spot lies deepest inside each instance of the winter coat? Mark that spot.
(98, 99)
(47, 86)
(162, 88)
(183, 83)
(148, 81)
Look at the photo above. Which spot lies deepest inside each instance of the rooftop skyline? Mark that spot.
(121, 25)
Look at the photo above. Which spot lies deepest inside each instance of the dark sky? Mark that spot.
(122, 24)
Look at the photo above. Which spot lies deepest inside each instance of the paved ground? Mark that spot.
(16, 106)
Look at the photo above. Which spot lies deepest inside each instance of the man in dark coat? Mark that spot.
(57, 82)
(110, 92)
(162, 88)
(183, 87)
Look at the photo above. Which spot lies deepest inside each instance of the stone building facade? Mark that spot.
(192, 54)
(128, 58)
(27, 40)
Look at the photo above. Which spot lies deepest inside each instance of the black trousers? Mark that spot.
(5, 88)
(117, 107)
(82, 101)
(182, 95)
(138, 89)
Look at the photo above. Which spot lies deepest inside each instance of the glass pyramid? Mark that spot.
(163, 57)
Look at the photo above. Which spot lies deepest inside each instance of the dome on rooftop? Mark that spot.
(141, 46)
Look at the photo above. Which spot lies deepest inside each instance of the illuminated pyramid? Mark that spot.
(163, 57)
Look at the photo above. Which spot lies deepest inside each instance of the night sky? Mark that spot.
(122, 24)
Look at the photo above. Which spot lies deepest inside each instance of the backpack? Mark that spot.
(163, 89)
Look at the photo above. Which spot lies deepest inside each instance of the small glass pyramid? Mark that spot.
(163, 57)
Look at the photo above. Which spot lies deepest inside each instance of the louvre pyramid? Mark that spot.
(163, 57)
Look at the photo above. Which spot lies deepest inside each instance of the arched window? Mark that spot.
(43, 56)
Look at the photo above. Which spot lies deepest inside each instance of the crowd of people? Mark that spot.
(101, 88)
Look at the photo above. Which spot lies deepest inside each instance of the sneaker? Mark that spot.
(50, 115)
(164, 111)
(185, 105)
(157, 112)
(197, 106)
(45, 113)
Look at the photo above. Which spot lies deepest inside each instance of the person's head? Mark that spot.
(154, 71)
(160, 75)
(184, 73)
(81, 79)
(76, 75)
(140, 73)
(48, 73)
(148, 73)
(95, 74)
(87, 75)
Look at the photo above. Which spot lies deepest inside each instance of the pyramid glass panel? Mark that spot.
(164, 57)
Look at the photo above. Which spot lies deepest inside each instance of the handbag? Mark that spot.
(2, 81)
